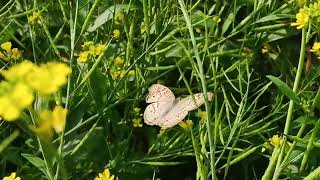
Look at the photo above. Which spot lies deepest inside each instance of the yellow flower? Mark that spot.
(18, 71)
(51, 120)
(35, 18)
(13, 176)
(202, 115)
(9, 53)
(316, 49)
(83, 57)
(44, 129)
(97, 49)
(117, 74)
(119, 61)
(6, 46)
(87, 44)
(59, 115)
(48, 78)
(16, 54)
(92, 50)
(302, 19)
(136, 122)
(116, 33)
(186, 124)
(275, 140)
(104, 176)
(21, 95)
(118, 18)
(3, 57)
(13, 99)
(7, 110)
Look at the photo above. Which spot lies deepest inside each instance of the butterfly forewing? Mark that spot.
(158, 92)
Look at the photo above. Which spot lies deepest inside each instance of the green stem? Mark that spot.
(291, 104)
(203, 84)
(146, 16)
(200, 170)
(309, 146)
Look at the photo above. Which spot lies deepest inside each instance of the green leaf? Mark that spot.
(284, 88)
(108, 15)
(6, 142)
(36, 161)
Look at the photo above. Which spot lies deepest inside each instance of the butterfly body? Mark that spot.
(165, 110)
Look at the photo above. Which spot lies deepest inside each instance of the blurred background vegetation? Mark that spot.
(238, 43)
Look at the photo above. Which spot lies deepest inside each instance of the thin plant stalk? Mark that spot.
(203, 83)
(295, 90)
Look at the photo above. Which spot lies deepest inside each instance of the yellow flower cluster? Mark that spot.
(117, 72)
(23, 80)
(9, 53)
(302, 19)
(105, 175)
(306, 13)
(137, 121)
(316, 49)
(14, 97)
(186, 124)
(273, 142)
(90, 50)
(202, 115)
(51, 120)
(13, 176)
(116, 33)
(34, 18)
(118, 19)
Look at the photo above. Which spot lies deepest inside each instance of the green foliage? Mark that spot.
(244, 52)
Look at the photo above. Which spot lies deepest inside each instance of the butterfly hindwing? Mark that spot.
(181, 107)
(155, 111)
(194, 102)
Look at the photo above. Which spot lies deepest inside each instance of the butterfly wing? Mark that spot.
(181, 107)
(175, 115)
(158, 93)
(194, 102)
(155, 111)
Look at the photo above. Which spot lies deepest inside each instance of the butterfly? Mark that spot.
(165, 110)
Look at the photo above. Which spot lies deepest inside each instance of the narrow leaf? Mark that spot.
(284, 88)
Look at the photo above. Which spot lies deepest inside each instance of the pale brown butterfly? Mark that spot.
(165, 110)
